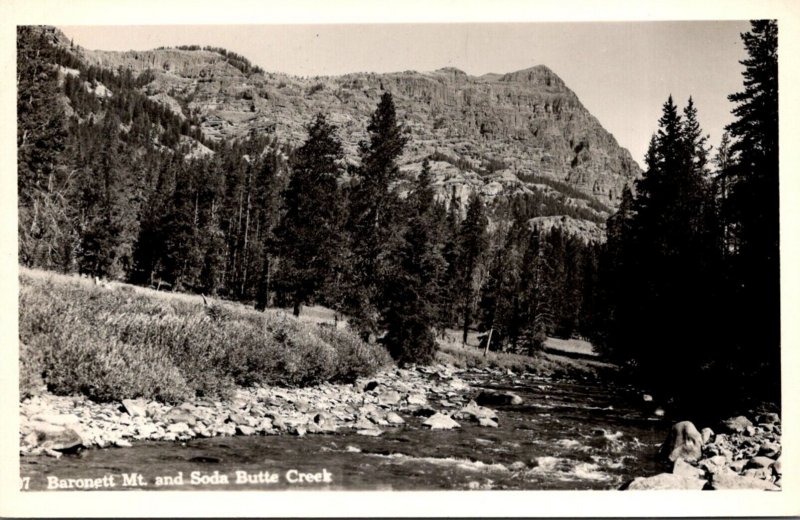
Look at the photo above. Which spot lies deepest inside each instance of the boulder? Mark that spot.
(440, 421)
(389, 398)
(484, 421)
(647, 398)
(769, 418)
(707, 434)
(135, 407)
(394, 419)
(759, 462)
(770, 449)
(417, 400)
(683, 468)
(736, 424)
(55, 437)
(777, 468)
(683, 442)
(497, 398)
(179, 415)
(730, 480)
(714, 464)
(243, 429)
(370, 433)
(474, 412)
(666, 481)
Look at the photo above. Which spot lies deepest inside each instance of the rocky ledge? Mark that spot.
(743, 455)
(53, 425)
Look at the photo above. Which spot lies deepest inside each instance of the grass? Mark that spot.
(129, 342)
(452, 351)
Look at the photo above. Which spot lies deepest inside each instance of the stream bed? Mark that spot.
(567, 434)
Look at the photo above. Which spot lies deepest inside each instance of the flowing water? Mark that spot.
(567, 434)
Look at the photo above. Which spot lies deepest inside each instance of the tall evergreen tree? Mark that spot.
(413, 286)
(473, 241)
(310, 234)
(374, 227)
(752, 209)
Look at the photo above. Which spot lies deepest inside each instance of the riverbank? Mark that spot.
(745, 454)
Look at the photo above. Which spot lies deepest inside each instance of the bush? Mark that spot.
(109, 345)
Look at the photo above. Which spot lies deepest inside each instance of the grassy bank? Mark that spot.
(452, 352)
(128, 342)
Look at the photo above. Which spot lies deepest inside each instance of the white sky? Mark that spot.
(622, 72)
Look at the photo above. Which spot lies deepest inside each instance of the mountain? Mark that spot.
(526, 122)
(499, 134)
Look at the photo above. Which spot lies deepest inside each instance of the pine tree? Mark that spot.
(414, 283)
(310, 234)
(751, 209)
(473, 241)
(374, 208)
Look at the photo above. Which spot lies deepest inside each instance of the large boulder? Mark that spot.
(135, 407)
(730, 480)
(474, 412)
(497, 398)
(54, 436)
(683, 468)
(737, 424)
(666, 481)
(684, 442)
(440, 421)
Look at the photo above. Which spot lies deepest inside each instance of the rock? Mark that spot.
(179, 415)
(474, 412)
(135, 407)
(759, 473)
(777, 467)
(683, 468)
(243, 429)
(769, 418)
(394, 419)
(714, 464)
(707, 434)
(683, 442)
(770, 449)
(759, 462)
(178, 427)
(388, 398)
(122, 443)
(659, 412)
(370, 432)
(497, 398)
(299, 431)
(226, 429)
(439, 421)
(55, 437)
(237, 418)
(736, 424)
(647, 398)
(425, 412)
(666, 481)
(417, 400)
(484, 421)
(372, 385)
(729, 480)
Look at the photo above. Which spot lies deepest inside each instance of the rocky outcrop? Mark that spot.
(524, 124)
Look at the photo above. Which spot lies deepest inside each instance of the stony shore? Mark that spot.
(53, 425)
(745, 454)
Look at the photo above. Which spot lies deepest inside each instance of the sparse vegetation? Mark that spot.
(132, 342)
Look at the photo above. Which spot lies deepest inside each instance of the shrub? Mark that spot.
(109, 345)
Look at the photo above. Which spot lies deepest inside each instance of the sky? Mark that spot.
(622, 72)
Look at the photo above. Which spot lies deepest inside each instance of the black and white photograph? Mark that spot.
(486, 256)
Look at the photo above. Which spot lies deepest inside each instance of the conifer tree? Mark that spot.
(413, 285)
(310, 233)
(473, 241)
(374, 207)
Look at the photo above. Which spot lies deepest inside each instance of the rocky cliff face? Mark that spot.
(525, 123)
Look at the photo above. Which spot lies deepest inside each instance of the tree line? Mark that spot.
(692, 270)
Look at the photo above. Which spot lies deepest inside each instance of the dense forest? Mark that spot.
(684, 293)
